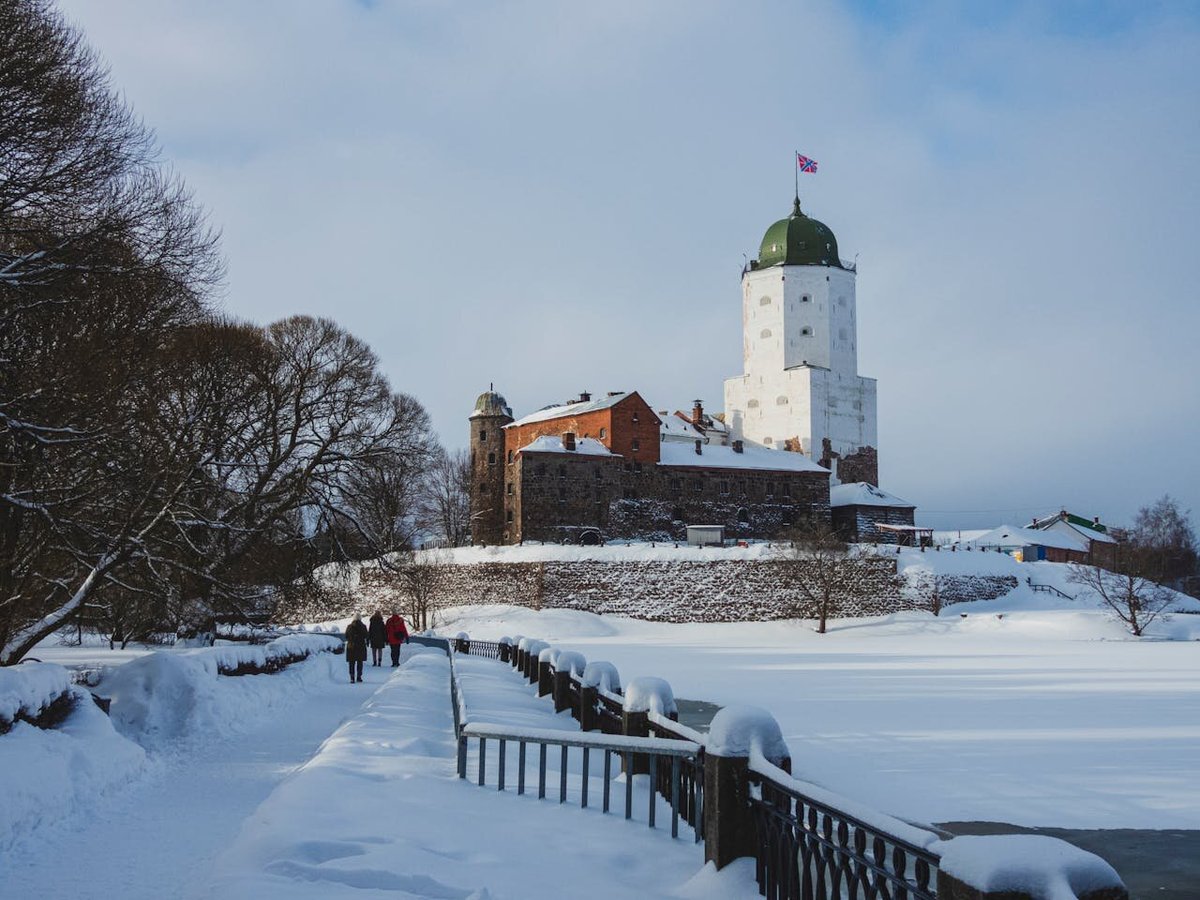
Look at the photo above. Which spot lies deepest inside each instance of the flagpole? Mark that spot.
(796, 171)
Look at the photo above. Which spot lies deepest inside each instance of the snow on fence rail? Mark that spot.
(734, 787)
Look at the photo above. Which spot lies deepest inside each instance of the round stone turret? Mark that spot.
(488, 462)
(798, 240)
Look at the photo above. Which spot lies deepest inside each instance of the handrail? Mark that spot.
(592, 739)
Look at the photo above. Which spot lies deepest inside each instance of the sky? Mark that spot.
(558, 197)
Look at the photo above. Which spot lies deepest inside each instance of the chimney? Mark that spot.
(1095, 520)
(698, 443)
(697, 412)
(584, 396)
(737, 446)
(568, 440)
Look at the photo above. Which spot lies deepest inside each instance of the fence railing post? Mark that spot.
(561, 689)
(636, 724)
(1023, 867)
(729, 830)
(589, 697)
(545, 677)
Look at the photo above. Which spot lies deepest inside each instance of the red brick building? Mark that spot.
(596, 469)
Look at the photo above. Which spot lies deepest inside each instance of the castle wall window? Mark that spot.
(764, 301)
(491, 459)
(806, 331)
(765, 333)
(697, 485)
(635, 444)
(508, 516)
(743, 516)
(787, 489)
(770, 489)
(508, 488)
(482, 434)
(635, 418)
(598, 474)
(562, 472)
(724, 487)
(752, 404)
(781, 400)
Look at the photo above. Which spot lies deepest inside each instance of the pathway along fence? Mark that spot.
(741, 800)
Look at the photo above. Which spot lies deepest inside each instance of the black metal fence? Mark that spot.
(807, 850)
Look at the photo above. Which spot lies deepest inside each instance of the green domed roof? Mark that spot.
(798, 241)
(489, 403)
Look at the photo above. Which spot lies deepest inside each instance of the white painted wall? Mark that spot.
(800, 355)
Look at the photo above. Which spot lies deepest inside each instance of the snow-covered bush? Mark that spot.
(27, 690)
(651, 695)
(602, 675)
(46, 774)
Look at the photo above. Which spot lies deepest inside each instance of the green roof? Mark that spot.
(798, 241)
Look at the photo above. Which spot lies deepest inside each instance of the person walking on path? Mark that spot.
(378, 634)
(356, 647)
(397, 634)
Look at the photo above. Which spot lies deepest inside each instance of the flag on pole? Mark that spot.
(804, 164)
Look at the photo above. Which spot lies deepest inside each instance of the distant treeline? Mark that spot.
(159, 463)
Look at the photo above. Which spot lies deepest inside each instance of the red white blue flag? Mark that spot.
(804, 164)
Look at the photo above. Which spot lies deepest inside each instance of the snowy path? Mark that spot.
(380, 812)
(162, 834)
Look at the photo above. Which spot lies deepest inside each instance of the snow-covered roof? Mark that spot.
(552, 443)
(571, 409)
(675, 427)
(714, 456)
(1014, 536)
(860, 493)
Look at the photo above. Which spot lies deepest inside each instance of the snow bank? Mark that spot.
(739, 730)
(28, 689)
(570, 661)
(602, 675)
(172, 695)
(1040, 866)
(47, 774)
(649, 694)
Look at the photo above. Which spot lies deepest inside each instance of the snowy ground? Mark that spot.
(1044, 717)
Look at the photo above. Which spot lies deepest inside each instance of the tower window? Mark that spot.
(635, 444)
(806, 331)
(483, 434)
(768, 441)
(635, 418)
(806, 299)
(766, 333)
(491, 459)
(752, 403)
(781, 400)
(764, 301)
(508, 488)
(508, 516)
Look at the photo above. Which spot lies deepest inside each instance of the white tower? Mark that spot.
(801, 389)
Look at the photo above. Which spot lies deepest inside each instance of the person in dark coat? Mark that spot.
(356, 647)
(378, 634)
(397, 634)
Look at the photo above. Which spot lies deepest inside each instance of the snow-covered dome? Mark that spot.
(489, 403)
(798, 240)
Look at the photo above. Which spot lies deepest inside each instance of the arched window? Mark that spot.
(764, 301)
(482, 434)
(743, 516)
(753, 404)
(491, 459)
(781, 400)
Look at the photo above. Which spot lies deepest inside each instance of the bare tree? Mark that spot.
(927, 589)
(1163, 539)
(423, 575)
(820, 567)
(447, 510)
(1136, 599)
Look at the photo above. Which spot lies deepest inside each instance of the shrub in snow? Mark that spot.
(649, 694)
(602, 675)
(1027, 864)
(570, 661)
(45, 775)
(741, 730)
(27, 690)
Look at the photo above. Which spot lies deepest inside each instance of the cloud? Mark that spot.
(557, 197)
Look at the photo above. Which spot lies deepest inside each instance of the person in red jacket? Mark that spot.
(397, 634)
